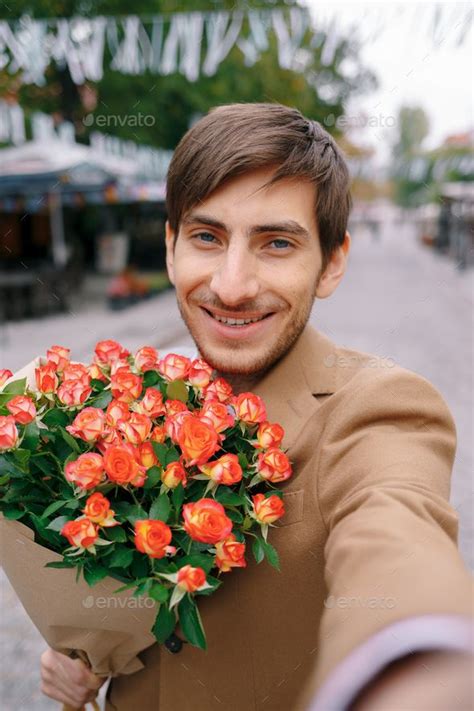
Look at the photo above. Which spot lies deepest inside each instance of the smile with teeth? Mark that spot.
(237, 321)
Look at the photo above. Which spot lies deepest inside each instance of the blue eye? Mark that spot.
(280, 243)
(205, 237)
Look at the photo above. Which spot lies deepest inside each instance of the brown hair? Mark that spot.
(237, 138)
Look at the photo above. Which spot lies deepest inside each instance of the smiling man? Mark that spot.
(370, 609)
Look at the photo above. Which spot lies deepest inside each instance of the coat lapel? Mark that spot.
(288, 389)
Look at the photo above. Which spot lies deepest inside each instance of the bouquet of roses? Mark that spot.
(143, 474)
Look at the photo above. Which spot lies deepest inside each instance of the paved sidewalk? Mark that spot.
(398, 300)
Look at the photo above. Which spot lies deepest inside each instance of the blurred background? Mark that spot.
(93, 100)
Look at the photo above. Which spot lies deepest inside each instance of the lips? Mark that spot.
(236, 321)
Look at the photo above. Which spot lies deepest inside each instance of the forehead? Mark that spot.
(243, 201)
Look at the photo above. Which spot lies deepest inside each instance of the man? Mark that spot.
(372, 601)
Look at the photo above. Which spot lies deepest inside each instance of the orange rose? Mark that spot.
(152, 403)
(89, 424)
(109, 437)
(230, 554)
(77, 371)
(117, 412)
(198, 440)
(106, 352)
(273, 465)
(200, 373)
(136, 429)
(219, 390)
(22, 408)
(59, 356)
(80, 533)
(172, 407)
(8, 433)
(173, 475)
(158, 434)
(190, 579)
(147, 455)
(121, 465)
(97, 510)
(268, 510)
(250, 408)
(5, 374)
(152, 537)
(146, 358)
(86, 471)
(95, 372)
(225, 470)
(174, 367)
(172, 424)
(269, 435)
(205, 521)
(126, 386)
(46, 378)
(217, 414)
(73, 392)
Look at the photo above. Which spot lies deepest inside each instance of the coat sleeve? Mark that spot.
(384, 470)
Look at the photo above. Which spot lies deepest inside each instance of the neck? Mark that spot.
(241, 383)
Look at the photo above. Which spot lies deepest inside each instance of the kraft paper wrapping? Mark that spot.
(111, 629)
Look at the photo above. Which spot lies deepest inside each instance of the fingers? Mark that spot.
(66, 680)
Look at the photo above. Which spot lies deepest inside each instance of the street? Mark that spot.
(398, 300)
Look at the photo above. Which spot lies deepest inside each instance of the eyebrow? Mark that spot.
(287, 226)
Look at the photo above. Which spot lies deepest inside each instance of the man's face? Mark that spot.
(245, 266)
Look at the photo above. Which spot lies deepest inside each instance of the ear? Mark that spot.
(334, 270)
(169, 238)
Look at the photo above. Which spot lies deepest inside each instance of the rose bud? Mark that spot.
(219, 390)
(190, 579)
(59, 356)
(273, 465)
(230, 554)
(136, 429)
(80, 533)
(126, 386)
(225, 470)
(106, 352)
(174, 367)
(205, 521)
(89, 424)
(152, 537)
(151, 404)
(250, 408)
(96, 373)
(198, 440)
(269, 435)
(8, 433)
(119, 364)
(5, 374)
(146, 358)
(200, 373)
(97, 510)
(117, 412)
(268, 510)
(173, 475)
(158, 434)
(217, 414)
(172, 407)
(147, 456)
(87, 471)
(46, 378)
(22, 408)
(77, 371)
(108, 438)
(122, 466)
(73, 392)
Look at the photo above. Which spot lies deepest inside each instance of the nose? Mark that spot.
(236, 278)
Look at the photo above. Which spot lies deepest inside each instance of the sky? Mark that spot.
(415, 65)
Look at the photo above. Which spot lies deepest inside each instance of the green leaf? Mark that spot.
(198, 560)
(55, 418)
(120, 558)
(178, 497)
(57, 523)
(115, 533)
(271, 554)
(158, 592)
(31, 436)
(160, 508)
(136, 513)
(16, 387)
(243, 461)
(8, 466)
(153, 476)
(97, 385)
(12, 512)
(44, 463)
(172, 455)
(94, 573)
(22, 456)
(140, 567)
(52, 508)
(177, 390)
(60, 564)
(164, 624)
(161, 452)
(191, 623)
(102, 400)
(150, 378)
(258, 550)
(229, 498)
(234, 516)
(70, 440)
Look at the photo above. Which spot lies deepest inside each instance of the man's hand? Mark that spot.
(68, 680)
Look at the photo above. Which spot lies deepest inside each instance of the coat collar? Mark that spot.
(288, 389)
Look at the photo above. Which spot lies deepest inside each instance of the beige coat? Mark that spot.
(367, 520)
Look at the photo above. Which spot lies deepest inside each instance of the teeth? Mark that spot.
(237, 321)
